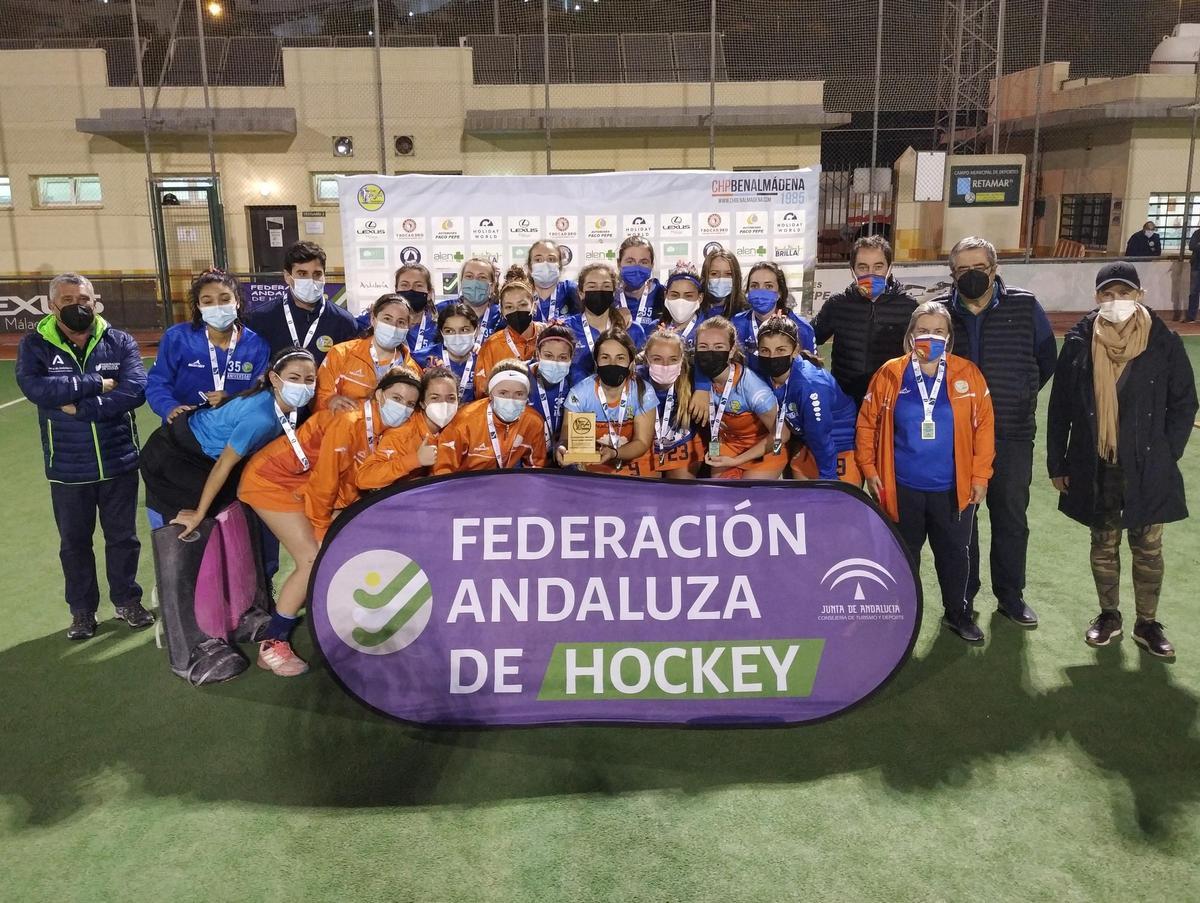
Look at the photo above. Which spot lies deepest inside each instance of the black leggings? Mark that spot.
(175, 468)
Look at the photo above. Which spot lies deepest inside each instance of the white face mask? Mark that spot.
(681, 309)
(441, 412)
(1118, 311)
(545, 274)
(308, 290)
(296, 395)
(219, 316)
(459, 344)
(389, 337)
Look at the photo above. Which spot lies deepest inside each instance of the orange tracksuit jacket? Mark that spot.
(497, 348)
(349, 370)
(465, 444)
(332, 482)
(974, 428)
(273, 479)
(395, 456)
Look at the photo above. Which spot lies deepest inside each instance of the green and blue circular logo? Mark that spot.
(379, 602)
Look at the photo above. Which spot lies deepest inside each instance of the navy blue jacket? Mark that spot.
(337, 325)
(99, 441)
(1012, 344)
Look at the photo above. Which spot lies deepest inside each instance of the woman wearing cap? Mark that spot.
(721, 276)
(497, 432)
(518, 338)
(925, 442)
(600, 313)
(409, 450)
(678, 452)
(456, 346)
(624, 406)
(347, 441)
(477, 283)
(767, 295)
(742, 409)
(351, 370)
(1121, 410)
(817, 412)
(556, 297)
(549, 372)
(639, 292)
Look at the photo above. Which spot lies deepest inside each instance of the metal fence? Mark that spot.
(907, 73)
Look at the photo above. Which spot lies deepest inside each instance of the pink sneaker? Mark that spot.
(277, 657)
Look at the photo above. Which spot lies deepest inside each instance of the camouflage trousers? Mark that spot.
(1145, 545)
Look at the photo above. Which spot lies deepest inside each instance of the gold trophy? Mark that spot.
(581, 439)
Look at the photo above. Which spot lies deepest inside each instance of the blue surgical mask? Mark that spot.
(508, 409)
(475, 291)
(394, 412)
(554, 372)
(220, 317)
(390, 337)
(763, 300)
(635, 276)
(545, 274)
(296, 395)
(720, 286)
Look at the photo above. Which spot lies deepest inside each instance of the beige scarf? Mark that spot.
(1113, 346)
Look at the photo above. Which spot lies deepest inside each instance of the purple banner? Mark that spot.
(539, 597)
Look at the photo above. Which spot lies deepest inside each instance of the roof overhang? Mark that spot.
(1125, 110)
(584, 119)
(121, 121)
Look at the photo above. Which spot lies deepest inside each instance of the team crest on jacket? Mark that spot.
(961, 386)
(324, 343)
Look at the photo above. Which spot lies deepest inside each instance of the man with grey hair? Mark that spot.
(86, 379)
(1006, 334)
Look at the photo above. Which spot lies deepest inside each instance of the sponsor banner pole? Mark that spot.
(379, 87)
(712, 85)
(546, 78)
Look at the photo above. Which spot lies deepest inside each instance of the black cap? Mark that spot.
(1121, 271)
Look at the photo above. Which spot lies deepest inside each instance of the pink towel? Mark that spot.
(227, 582)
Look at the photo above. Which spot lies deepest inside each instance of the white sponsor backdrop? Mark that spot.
(440, 221)
(1065, 286)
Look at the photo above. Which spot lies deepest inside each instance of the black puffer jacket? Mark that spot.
(865, 333)
(1156, 398)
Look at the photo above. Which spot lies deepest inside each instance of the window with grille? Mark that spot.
(186, 190)
(325, 187)
(1166, 210)
(1085, 219)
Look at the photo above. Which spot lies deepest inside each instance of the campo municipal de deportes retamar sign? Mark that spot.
(538, 597)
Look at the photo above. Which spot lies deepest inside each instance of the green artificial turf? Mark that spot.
(1033, 768)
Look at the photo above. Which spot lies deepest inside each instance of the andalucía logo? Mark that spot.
(379, 602)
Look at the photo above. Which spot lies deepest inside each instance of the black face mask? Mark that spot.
(598, 302)
(612, 375)
(416, 300)
(519, 320)
(972, 284)
(712, 363)
(775, 366)
(77, 318)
